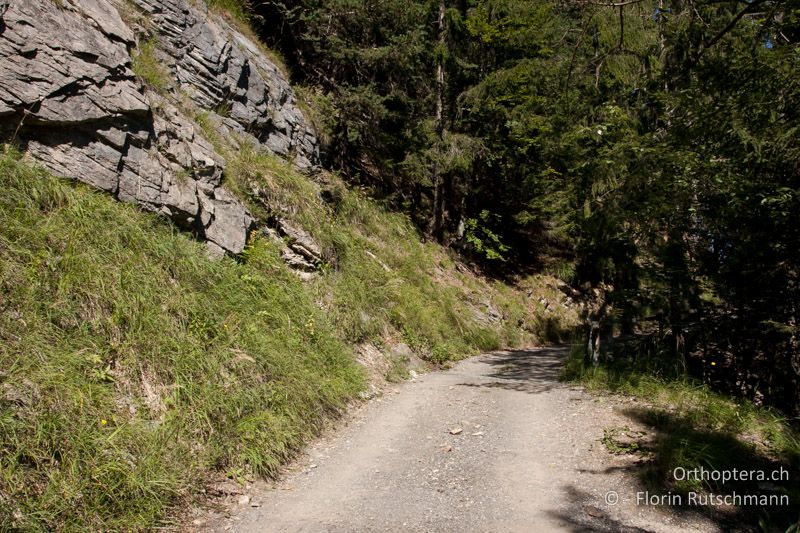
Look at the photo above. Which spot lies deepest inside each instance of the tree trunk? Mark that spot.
(593, 347)
(440, 72)
(437, 223)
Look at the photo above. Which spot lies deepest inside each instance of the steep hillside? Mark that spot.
(135, 368)
(192, 284)
(139, 361)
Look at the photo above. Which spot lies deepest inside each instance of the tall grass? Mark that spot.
(130, 364)
(381, 279)
(148, 67)
(239, 10)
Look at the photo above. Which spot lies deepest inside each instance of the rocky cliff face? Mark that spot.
(69, 97)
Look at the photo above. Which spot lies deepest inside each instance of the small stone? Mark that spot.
(593, 511)
(456, 431)
(244, 499)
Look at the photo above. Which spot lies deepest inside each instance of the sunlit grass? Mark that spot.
(132, 365)
(695, 427)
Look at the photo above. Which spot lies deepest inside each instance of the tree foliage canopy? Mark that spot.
(654, 143)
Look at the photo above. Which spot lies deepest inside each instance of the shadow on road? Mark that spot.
(532, 371)
(582, 515)
(673, 440)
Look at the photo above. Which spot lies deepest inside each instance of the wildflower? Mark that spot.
(103, 422)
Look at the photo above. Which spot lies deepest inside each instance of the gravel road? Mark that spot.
(494, 444)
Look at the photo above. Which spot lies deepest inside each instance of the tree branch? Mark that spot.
(616, 4)
(747, 9)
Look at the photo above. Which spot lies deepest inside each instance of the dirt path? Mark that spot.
(527, 457)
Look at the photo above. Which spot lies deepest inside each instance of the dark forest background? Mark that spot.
(646, 150)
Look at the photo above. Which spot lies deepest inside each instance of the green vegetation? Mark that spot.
(380, 279)
(148, 67)
(649, 147)
(132, 364)
(693, 427)
(621, 440)
(239, 10)
(134, 367)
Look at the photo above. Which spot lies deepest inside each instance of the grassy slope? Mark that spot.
(694, 427)
(131, 363)
(381, 281)
(131, 366)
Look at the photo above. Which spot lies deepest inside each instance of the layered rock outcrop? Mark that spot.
(219, 68)
(69, 97)
(299, 250)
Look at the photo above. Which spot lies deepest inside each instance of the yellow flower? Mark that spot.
(104, 422)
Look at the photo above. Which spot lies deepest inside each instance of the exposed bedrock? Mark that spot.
(69, 98)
